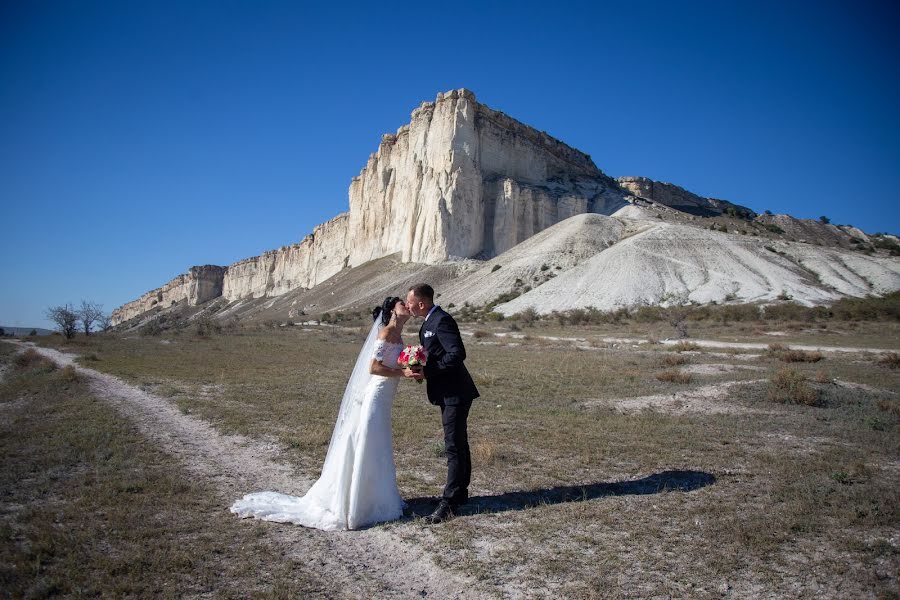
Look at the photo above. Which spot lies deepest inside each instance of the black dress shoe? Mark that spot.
(443, 512)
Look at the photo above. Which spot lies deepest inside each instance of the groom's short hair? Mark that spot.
(423, 291)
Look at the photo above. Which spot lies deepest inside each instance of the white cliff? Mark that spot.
(200, 284)
(460, 180)
(463, 181)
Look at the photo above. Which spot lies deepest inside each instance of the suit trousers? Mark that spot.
(456, 445)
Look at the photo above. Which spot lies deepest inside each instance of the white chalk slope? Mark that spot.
(654, 262)
(558, 248)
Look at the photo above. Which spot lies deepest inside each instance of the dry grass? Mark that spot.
(674, 376)
(479, 334)
(822, 377)
(674, 360)
(68, 373)
(890, 360)
(33, 360)
(684, 347)
(532, 433)
(800, 356)
(788, 386)
(485, 452)
(91, 509)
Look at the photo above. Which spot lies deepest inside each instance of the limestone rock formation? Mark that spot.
(679, 198)
(200, 284)
(537, 218)
(460, 180)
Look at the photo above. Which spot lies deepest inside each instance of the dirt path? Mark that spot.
(364, 564)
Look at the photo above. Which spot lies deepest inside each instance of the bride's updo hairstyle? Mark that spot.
(384, 311)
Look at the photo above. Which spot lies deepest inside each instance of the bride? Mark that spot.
(358, 485)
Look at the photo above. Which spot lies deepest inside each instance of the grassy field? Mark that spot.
(581, 490)
(91, 509)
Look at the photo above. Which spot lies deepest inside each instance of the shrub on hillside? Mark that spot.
(788, 386)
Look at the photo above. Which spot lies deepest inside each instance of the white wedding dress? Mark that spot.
(358, 485)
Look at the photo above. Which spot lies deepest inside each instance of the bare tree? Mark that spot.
(65, 317)
(89, 314)
(104, 322)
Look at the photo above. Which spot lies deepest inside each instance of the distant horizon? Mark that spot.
(140, 140)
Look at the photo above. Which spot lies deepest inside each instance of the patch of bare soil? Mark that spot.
(708, 399)
(369, 563)
(718, 368)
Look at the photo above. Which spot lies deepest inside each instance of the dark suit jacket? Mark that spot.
(447, 379)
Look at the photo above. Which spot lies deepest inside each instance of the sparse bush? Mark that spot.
(68, 373)
(788, 386)
(685, 347)
(889, 406)
(890, 360)
(774, 228)
(871, 308)
(528, 316)
(822, 376)
(486, 452)
(495, 268)
(674, 376)
(33, 360)
(206, 326)
(673, 360)
(494, 316)
(480, 334)
(800, 356)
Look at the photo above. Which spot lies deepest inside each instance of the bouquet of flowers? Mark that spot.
(413, 357)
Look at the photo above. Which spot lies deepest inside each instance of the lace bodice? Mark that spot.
(388, 353)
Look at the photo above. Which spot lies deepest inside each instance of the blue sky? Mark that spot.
(140, 138)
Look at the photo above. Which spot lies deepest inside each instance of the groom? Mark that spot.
(449, 386)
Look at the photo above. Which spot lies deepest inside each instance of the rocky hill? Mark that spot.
(479, 201)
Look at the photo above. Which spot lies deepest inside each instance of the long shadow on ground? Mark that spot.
(674, 481)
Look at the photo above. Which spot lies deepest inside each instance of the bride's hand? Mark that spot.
(410, 374)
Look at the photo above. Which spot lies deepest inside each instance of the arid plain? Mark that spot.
(610, 460)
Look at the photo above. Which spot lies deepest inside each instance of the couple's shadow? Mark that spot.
(674, 481)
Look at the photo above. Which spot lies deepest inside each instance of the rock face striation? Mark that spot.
(679, 198)
(198, 285)
(464, 181)
(460, 180)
